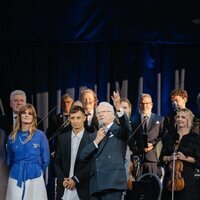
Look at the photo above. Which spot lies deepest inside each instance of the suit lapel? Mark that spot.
(102, 145)
(152, 121)
(83, 141)
(10, 124)
(60, 119)
(138, 124)
(105, 140)
(67, 146)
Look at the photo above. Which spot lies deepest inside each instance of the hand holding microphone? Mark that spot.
(101, 133)
(175, 106)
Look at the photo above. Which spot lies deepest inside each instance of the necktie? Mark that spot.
(65, 117)
(145, 124)
(89, 118)
(14, 121)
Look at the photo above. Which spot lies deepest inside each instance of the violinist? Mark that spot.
(182, 147)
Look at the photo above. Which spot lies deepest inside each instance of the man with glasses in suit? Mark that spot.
(147, 128)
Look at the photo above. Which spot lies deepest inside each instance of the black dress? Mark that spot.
(189, 146)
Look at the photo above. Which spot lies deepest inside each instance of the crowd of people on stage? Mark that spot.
(100, 151)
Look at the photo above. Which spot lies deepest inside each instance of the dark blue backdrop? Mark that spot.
(51, 45)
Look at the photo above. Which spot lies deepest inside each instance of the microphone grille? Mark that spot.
(175, 105)
(101, 124)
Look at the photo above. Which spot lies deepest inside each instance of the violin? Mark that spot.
(131, 179)
(179, 182)
(176, 182)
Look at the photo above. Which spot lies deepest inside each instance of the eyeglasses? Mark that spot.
(102, 112)
(146, 103)
(67, 101)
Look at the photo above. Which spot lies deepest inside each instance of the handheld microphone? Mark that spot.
(175, 106)
(101, 123)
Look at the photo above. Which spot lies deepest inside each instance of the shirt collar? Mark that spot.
(142, 115)
(91, 113)
(79, 135)
(14, 116)
(109, 125)
(65, 113)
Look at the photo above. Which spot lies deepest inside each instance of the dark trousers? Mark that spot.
(51, 183)
(107, 195)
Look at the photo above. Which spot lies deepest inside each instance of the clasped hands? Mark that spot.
(179, 155)
(149, 147)
(68, 183)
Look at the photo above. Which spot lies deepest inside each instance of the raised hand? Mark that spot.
(116, 100)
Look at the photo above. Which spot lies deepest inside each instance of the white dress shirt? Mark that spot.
(14, 120)
(75, 142)
(89, 117)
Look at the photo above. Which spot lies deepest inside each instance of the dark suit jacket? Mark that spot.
(2, 145)
(153, 135)
(108, 160)
(55, 129)
(62, 165)
(93, 126)
(6, 123)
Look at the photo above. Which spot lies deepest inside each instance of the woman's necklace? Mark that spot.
(23, 134)
(23, 141)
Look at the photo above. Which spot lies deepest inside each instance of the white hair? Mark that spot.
(17, 92)
(106, 104)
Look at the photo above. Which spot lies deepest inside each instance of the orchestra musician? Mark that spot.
(147, 131)
(188, 152)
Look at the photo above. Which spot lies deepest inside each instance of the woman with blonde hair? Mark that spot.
(183, 146)
(28, 157)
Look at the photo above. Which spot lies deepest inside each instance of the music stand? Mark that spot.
(147, 187)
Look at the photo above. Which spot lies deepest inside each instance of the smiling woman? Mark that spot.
(27, 156)
(187, 152)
